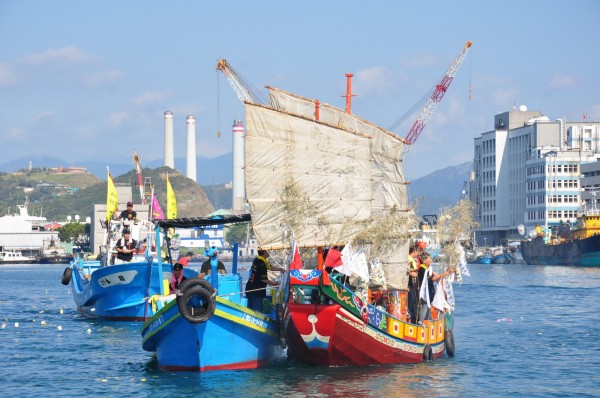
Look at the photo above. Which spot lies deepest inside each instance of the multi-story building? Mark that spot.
(527, 171)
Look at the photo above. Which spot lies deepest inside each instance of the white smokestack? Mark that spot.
(191, 148)
(169, 160)
(239, 183)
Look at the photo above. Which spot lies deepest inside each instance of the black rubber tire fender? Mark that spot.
(449, 342)
(186, 284)
(427, 353)
(197, 312)
(66, 276)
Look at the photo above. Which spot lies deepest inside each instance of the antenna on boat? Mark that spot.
(349, 94)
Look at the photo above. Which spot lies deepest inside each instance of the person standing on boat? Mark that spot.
(427, 290)
(129, 214)
(185, 260)
(256, 287)
(125, 248)
(413, 283)
(177, 278)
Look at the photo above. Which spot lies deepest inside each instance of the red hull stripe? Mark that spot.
(229, 366)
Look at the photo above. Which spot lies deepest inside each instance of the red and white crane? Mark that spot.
(436, 97)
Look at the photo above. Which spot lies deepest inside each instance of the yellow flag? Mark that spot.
(171, 201)
(112, 200)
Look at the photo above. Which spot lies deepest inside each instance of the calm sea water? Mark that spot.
(520, 330)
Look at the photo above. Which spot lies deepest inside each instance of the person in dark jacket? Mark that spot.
(177, 278)
(125, 248)
(129, 214)
(256, 287)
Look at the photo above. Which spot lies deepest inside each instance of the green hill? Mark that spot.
(58, 195)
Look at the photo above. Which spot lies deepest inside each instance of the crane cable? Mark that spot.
(218, 106)
(470, 68)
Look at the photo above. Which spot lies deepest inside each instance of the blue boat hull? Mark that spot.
(483, 260)
(502, 259)
(117, 292)
(235, 337)
(584, 252)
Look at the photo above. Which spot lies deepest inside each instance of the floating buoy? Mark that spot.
(142, 380)
(43, 323)
(89, 331)
(61, 311)
(16, 324)
(3, 325)
(59, 327)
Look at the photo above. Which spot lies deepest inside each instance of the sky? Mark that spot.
(84, 80)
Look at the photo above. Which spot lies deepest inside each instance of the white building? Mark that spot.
(527, 171)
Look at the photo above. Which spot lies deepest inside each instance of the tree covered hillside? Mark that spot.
(58, 195)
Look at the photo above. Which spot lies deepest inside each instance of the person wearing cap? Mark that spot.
(256, 287)
(185, 260)
(129, 214)
(177, 278)
(125, 248)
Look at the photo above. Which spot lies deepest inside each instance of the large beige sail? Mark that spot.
(330, 166)
(347, 170)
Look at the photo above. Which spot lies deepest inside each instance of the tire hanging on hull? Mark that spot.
(427, 353)
(195, 300)
(449, 342)
(66, 277)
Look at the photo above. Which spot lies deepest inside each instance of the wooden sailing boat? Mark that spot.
(325, 177)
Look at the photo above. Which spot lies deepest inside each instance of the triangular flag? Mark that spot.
(112, 200)
(171, 201)
(334, 258)
(296, 259)
(157, 211)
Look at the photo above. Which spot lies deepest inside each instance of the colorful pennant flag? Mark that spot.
(296, 259)
(157, 211)
(171, 201)
(112, 200)
(334, 258)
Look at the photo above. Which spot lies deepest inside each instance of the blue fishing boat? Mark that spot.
(502, 258)
(117, 292)
(486, 258)
(199, 328)
(103, 289)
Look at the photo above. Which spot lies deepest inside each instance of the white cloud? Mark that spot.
(15, 134)
(150, 97)
(372, 80)
(42, 118)
(102, 78)
(562, 81)
(8, 77)
(117, 119)
(66, 54)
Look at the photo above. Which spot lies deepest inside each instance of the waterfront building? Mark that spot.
(528, 171)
